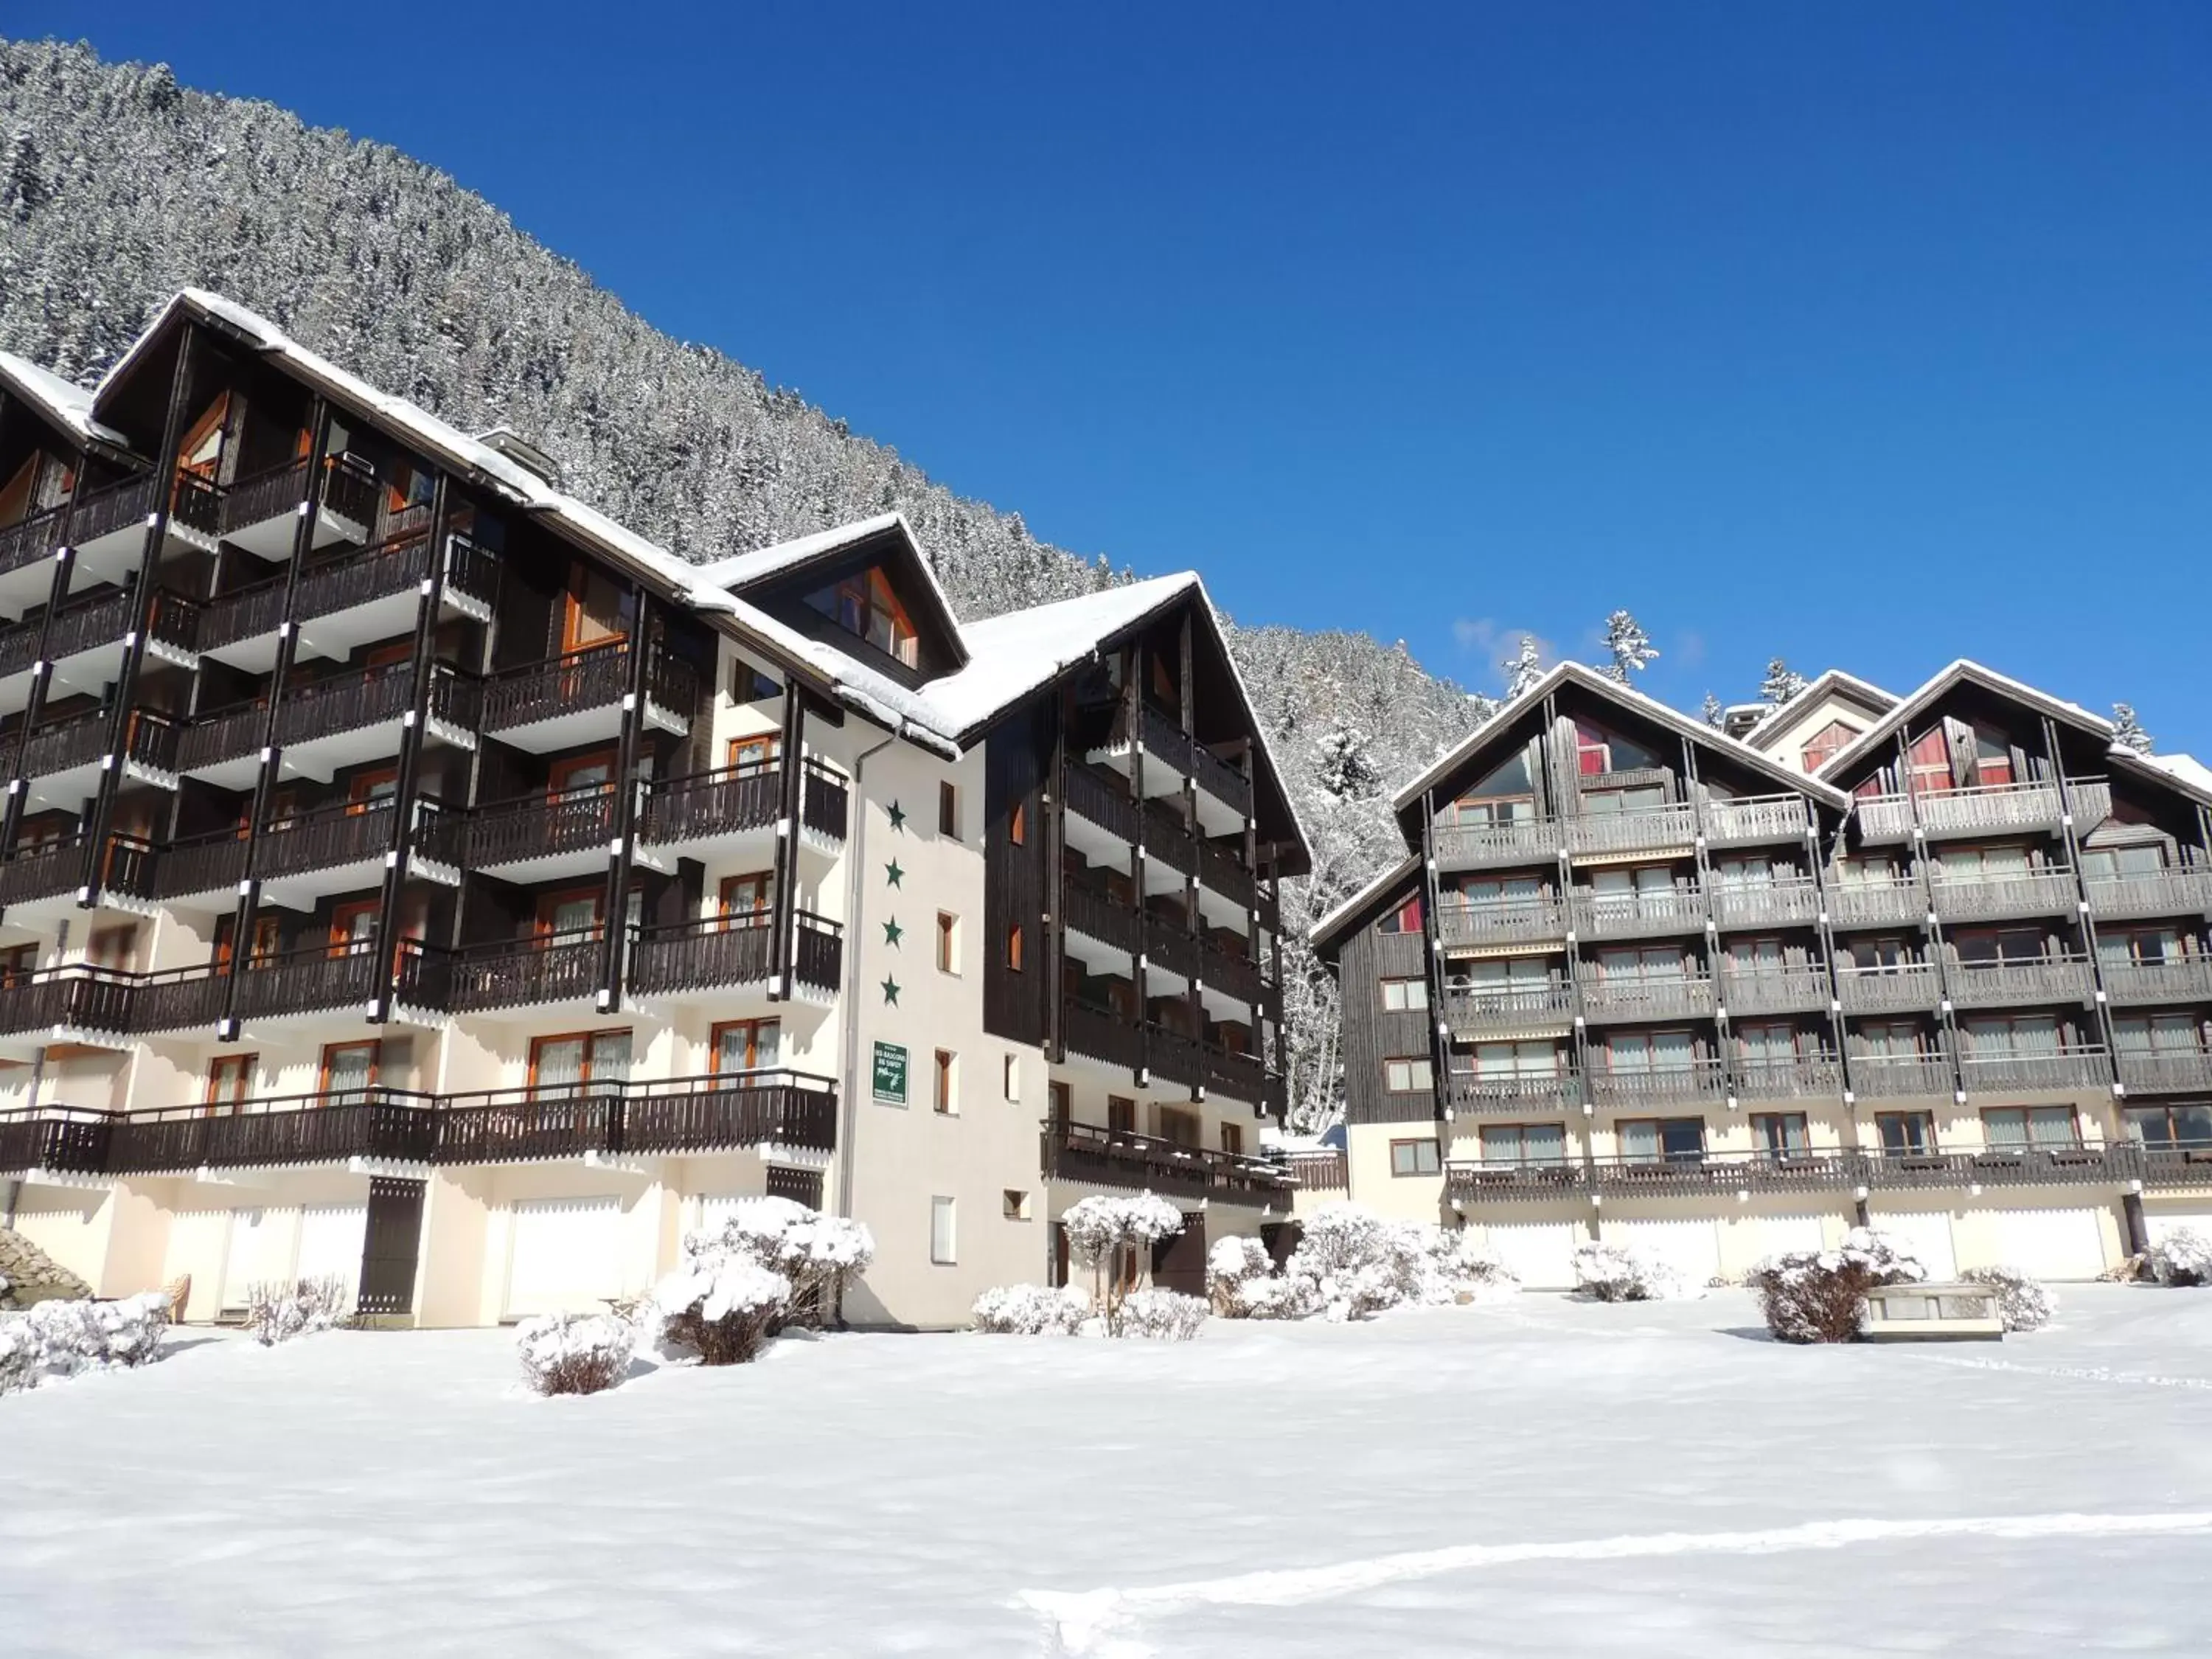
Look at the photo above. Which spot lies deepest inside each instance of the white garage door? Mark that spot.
(331, 1238)
(563, 1254)
(260, 1251)
(2049, 1243)
(715, 1209)
(1782, 1235)
(1540, 1254)
(1691, 1246)
(1926, 1234)
(2172, 1221)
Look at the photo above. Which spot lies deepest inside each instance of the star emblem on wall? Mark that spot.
(893, 874)
(893, 933)
(898, 817)
(890, 992)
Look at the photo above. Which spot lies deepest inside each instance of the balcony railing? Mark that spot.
(2165, 1071)
(591, 678)
(561, 967)
(42, 870)
(2033, 806)
(697, 955)
(1776, 991)
(1891, 1077)
(1774, 904)
(1677, 909)
(2002, 1166)
(1749, 819)
(1221, 779)
(529, 1126)
(349, 492)
(373, 1122)
(1631, 831)
(2182, 1165)
(1471, 1090)
(1905, 987)
(1087, 1154)
(2177, 979)
(1728, 1173)
(1175, 1055)
(1221, 869)
(29, 540)
(70, 741)
(313, 981)
(1876, 903)
(1486, 923)
(72, 999)
(1095, 801)
(1476, 846)
(1812, 1078)
(1633, 998)
(1320, 1171)
(565, 821)
(1102, 1035)
(328, 838)
(62, 1137)
(1096, 912)
(1239, 1075)
(1481, 1180)
(1701, 1080)
(2080, 1067)
(2036, 978)
(702, 805)
(1232, 975)
(1168, 838)
(1977, 898)
(117, 507)
(1476, 1013)
(819, 952)
(2176, 892)
(772, 1107)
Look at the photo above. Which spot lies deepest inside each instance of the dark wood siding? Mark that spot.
(1014, 888)
(1370, 1036)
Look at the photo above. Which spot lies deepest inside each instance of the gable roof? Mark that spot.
(1579, 674)
(1328, 930)
(1964, 671)
(67, 408)
(1782, 717)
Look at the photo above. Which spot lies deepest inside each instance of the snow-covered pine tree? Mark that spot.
(1345, 771)
(1523, 668)
(1782, 683)
(1710, 712)
(2127, 730)
(1628, 646)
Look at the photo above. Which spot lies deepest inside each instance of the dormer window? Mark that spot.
(864, 605)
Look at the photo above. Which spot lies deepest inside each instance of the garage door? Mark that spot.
(2049, 1243)
(1927, 1234)
(1692, 1247)
(715, 1209)
(1540, 1254)
(260, 1251)
(196, 1238)
(1782, 1235)
(563, 1254)
(329, 1243)
(2161, 1226)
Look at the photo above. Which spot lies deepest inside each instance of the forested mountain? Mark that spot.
(118, 187)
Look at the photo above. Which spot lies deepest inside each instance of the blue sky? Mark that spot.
(1871, 335)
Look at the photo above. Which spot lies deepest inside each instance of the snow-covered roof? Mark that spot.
(1780, 717)
(69, 407)
(1964, 671)
(1324, 931)
(1011, 655)
(744, 569)
(2185, 768)
(1591, 679)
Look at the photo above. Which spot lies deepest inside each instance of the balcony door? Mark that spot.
(1663, 1140)
(1650, 1053)
(353, 927)
(747, 1045)
(755, 754)
(230, 1083)
(349, 1069)
(581, 772)
(575, 1060)
(373, 792)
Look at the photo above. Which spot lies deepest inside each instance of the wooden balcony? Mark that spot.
(2186, 1165)
(1893, 1077)
(2081, 1066)
(331, 838)
(1166, 743)
(1781, 991)
(126, 506)
(2177, 979)
(1096, 913)
(520, 973)
(1224, 873)
(1704, 1174)
(1102, 1035)
(1319, 1172)
(30, 541)
(1909, 988)
(1497, 846)
(1973, 898)
(1091, 798)
(2013, 807)
(2176, 892)
(774, 1108)
(386, 1125)
(312, 981)
(1478, 1014)
(1812, 1078)
(2003, 984)
(1470, 1091)
(1087, 1155)
(45, 870)
(1630, 1000)
(1647, 830)
(214, 863)
(1700, 1082)
(1643, 915)
(1236, 976)
(68, 1139)
(530, 1125)
(69, 1000)
(2177, 1070)
(2004, 1166)
(228, 742)
(572, 825)
(1500, 923)
(572, 699)
(177, 999)
(1489, 1181)
(1794, 902)
(739, 800)
(258, 513)
(1238, 1075)
(705, 954)
(1899, 902)
(77, 743)
(1749, 819)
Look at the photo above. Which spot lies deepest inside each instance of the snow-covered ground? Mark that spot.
(1541, 1477)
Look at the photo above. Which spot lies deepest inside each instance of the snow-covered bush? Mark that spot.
(1242, 1283)
(1031, 1310)
(2023, 1303)
(1820, 1296)
(1475, 1275)
(277, 1310)
(1623, 1273)
(734, 1289)
(1101, 1230)
(2184, 1256)
(575, 1354)
(58, 1339)
(1351, 1263)
(1162, 1316)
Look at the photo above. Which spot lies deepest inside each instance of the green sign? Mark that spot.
(890, 1073)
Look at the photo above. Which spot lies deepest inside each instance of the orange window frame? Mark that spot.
(361, 791)
(580, 630)
(752, 1029)
(330, 1049)
(561, 775)
(764, 750)
(344, 940)
(589, 1040)
(230, 1079)
(763, 884)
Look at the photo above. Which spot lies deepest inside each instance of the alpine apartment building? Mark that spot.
(411, 875)
(1937, 962)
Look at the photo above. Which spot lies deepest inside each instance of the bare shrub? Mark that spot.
(279, 1309)
(575, 1353)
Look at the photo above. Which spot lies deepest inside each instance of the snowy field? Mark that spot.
(1540, 1478)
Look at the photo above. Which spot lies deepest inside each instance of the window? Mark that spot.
(1906, 1133)
(1983, 864)
(1639, 798)
(1403, 995)
(1496, 896)
(230, 1082)
(943, 1235)
(1059, 1102)
(353, 926)
(948, 811)
(580, 772)
(265, 940)
(2185, 1126)
(1779, 1134)
(1018, 824)
(1642, 1053)
(1406, 919)
(748, 1045)
(946, 1097)
(1505, 1061)
(749, 684)
(1888, 955)
(1120, 1116)
(948, 943)
(1623, 890)
(1773, 1043)
(592, 609)
(2122, 949)
(1758, 956)
(864, 605)
(748, 897)
(1524, 1143)
(1232, 1140)
(1592, 750)
(2158, 1034)
(1506, 796)
(756, 753)
(1928, 763)
(1892, 1039)
(577, 911)
(1401, 1076)
(1014, 948)
(1663, 1140)
(1012, 1078)
(1014, 1205)
(18, 962)
(1999, 943)
(1989, 1035)
(578, 1059)
(2031, 1125)
(350, 1067)
(2117, 863)
(1992, 759)
(367, 792)
(1825, 744)
(1660, 962)
(1181, 1128)
(201, 452)
(1414, 1158)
